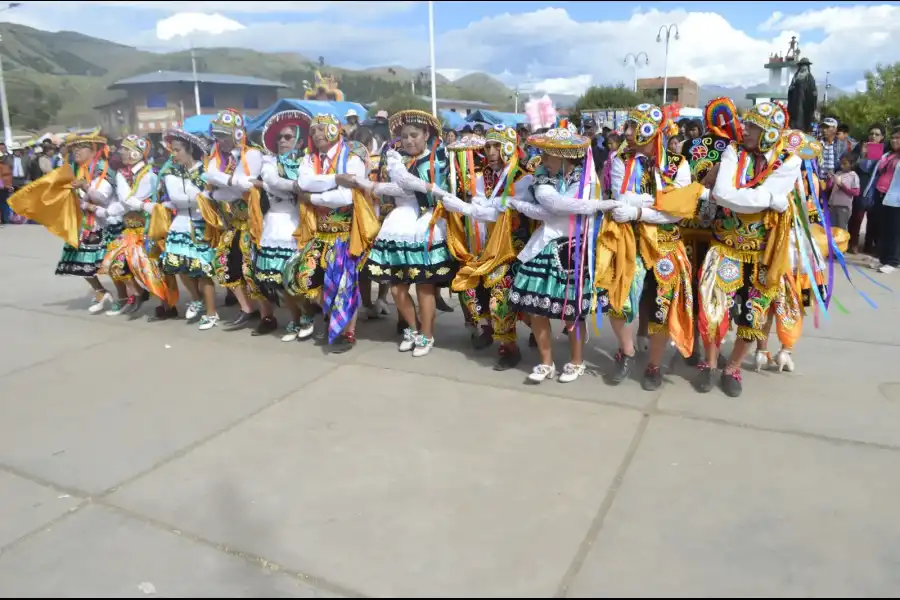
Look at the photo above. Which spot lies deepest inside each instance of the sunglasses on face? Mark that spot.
(285, 136)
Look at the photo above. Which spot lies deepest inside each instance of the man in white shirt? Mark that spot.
(323, 270)
(234, 168)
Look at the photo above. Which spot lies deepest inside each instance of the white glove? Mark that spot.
(497, 203)
(439, 192)
(454, 204)
(169, 205)
(608, 205)
(625, 213)
(100, 212)
(148, 207)
(639, 200)
(779, 203)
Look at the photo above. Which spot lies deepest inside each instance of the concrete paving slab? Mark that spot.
(58, 422)
(388, 484)
(27, 506)
(100, 553)
(32, 338)
(718, 512)
(839, 389)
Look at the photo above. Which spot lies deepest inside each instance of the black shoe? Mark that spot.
(345, 343)
(145, 295)
(694, 359)
(652, 380)
(161, 313)
(622, 369)
(731, 383)
(242, 320)
(509, 358)
(266, 326)
(486, 339)
(441, 304)
(255, 315)
(704, 381)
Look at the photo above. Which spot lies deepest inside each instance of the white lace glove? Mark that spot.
(779, 203)
(624, 213)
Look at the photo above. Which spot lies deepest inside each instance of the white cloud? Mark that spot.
(185, 24)
(561, 85)
(544, 47)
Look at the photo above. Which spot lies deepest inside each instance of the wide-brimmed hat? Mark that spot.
(286, 118)
(561, 142)
(414, 117)
(188, 138)
(90, 137)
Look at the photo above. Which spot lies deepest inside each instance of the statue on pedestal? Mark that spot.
(802, 98)
(793, 52)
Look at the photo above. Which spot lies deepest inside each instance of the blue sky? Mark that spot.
(558, 46)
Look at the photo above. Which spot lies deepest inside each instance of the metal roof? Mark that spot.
(188, 77)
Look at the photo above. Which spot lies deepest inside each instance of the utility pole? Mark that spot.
(7, 127)
(196, 84)
(668, 29)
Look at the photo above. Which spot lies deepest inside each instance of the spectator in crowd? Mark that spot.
(867, 155)
(831, 149)
(352, 119)
(6, 182)
(613, 141)
(887, 195)
(845, 189)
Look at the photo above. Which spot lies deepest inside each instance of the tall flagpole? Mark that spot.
(196, 84)
(431, 43)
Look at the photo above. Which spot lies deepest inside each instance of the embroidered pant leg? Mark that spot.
(503, 318)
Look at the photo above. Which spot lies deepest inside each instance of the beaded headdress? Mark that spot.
(229, 122)
(91, 137)
(507, 138)
(138, 148)
(331, 123)
(772, 118)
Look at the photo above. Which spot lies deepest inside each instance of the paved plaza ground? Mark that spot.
(141, 459)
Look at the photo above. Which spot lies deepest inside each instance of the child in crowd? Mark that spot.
(613, 141)
(845, 187)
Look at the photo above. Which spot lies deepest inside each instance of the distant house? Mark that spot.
(158, 101)
(678, 89)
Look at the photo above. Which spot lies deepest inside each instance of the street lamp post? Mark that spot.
(659, 37)
(636, 60)
(7, 128)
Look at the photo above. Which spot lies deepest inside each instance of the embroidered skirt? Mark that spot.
(186, 256)
(85, 260)
(551, 286)
(268, 270)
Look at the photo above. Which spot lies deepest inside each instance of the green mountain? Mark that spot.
(57, 78)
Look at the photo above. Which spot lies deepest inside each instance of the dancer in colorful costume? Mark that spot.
(127, 259)
(554, 277)
(284, 136)
(497, 233)
(723, 126)
(748, 263)
(235, 219)
(337, 226)
(95, 185)
(411, 248)
(654, 192)
(188, 253)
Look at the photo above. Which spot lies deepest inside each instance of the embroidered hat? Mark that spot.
(90, 137)
(560, 141)
(331, 123)
(414, 117)
(506, 137)
(190, 139)
(295, 119)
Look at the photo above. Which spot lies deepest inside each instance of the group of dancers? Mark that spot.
(687, 242)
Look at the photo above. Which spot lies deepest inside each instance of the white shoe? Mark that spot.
(193, 310)
(784, 361)
(542, 372)
(571, 372)
(885, 269)
(762, 359)
(409, 340)
(423, 346)
(98, 306)
(643, 344)
(290, 334)
(207, 323)
(305, 330)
